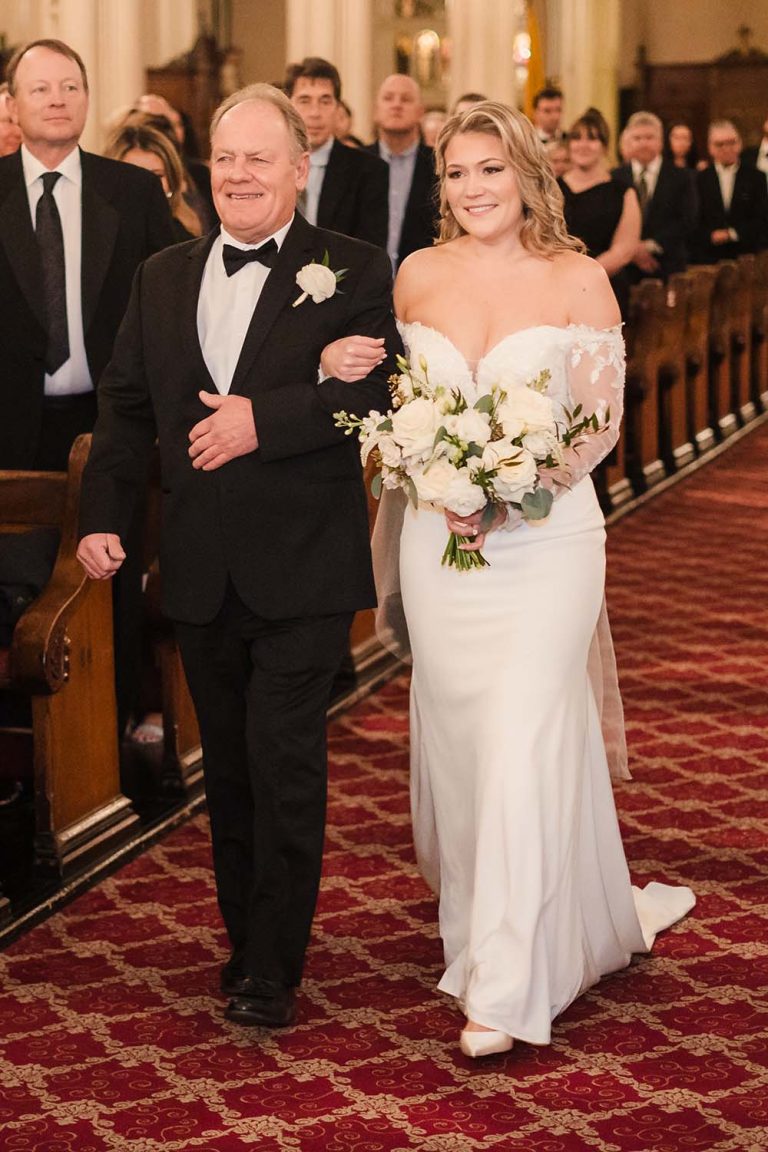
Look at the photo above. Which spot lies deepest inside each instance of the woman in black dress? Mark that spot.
(600, 210)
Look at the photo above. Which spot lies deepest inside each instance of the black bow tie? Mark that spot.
(237, 258)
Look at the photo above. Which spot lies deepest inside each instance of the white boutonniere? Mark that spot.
(318, 281)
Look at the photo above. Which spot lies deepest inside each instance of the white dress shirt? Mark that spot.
(651, 174)
(73, 377)
(318, 162)
(762, 156)
(727, 178)
(226, 305)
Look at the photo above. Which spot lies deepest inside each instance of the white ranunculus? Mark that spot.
(516, 478)
(414, 427)
(525, 410)
(463, 496)
(433, 484)
(317, 281)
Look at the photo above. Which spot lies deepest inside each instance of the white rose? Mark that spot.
(414, 427)
(434, 482)
(514, 479)
(317, 281)
(464, 496)
(391, 457)
(525, 410)
(541, 442)
(471, 427)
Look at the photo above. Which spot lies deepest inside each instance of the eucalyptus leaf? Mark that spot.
(536, 505)
(376, 485)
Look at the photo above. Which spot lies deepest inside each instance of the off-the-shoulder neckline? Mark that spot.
(595, 333)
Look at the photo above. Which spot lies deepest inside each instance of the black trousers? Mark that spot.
(261, 689)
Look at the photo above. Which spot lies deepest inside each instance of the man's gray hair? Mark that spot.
(645, 120)
(268, 94)
(723, 126)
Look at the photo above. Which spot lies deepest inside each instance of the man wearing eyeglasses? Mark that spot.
(734, 200)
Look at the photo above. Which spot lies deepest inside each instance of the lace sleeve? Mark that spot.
(595, 368)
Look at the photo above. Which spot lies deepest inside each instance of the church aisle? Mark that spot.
(111, 1035)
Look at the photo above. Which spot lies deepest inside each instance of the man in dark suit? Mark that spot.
(668, 201)
(264, 552)
(110, 217)
(347, 188)
(413, 207)
(734, 200)
(757, 157)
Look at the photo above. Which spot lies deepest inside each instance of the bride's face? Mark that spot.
(481, 187)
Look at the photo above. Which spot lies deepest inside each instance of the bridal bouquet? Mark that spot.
(464, 459)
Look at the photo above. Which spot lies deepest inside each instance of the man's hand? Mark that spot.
(101, 554)
(720, 236)
(228, 433)
(352, 358)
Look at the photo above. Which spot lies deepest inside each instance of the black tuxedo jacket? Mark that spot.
(125, 219)
(671, 214)
(354, 198)
(420, 222)
(287, 523)
(747, 215)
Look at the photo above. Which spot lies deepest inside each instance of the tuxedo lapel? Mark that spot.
(17, 237)
(280, 286)
(333, 187)
(101, 223)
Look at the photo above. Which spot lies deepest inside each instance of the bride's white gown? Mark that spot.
(514, 818)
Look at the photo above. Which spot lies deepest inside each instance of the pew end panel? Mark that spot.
(61, 658)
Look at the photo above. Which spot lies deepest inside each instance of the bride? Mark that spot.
(514, 821)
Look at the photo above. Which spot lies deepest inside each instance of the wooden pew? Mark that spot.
(741, 341)
(644, 353)
(61, 657)
(701, 283)
(675, 444)
(722, 414)
(759, 383)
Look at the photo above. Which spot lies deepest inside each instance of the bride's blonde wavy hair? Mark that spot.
(543, 230)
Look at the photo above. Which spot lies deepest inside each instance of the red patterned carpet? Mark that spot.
(110, 1023)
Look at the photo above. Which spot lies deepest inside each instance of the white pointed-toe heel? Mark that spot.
(476, 1044)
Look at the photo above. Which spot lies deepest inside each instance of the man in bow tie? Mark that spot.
(265, 555)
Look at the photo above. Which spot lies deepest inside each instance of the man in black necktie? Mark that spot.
(667, 197)
(264, 552)
(73, 229)
(734, 200)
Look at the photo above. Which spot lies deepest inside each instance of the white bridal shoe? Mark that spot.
(486, 1043)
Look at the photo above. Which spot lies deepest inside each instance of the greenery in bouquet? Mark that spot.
(465, 459)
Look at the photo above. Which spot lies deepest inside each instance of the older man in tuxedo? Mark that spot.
(73, 229)
(265, 552)
(413, 209)
(734, 200)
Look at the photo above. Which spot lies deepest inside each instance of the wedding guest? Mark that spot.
(10, 133)
(227, 382)
(412, 212)
(734, 200)
(514, 820)
(431, 123)
(757, 157)
(74, 228)
(145, 147)
(559, 157)
(342, 129)
(668, 201)
(547, 114)
(197, 176)
(600, 210)
(466, 101)
(347, 188)
(680, 146)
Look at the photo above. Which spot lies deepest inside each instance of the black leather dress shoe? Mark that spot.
(233, 979)
(267, 1005)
